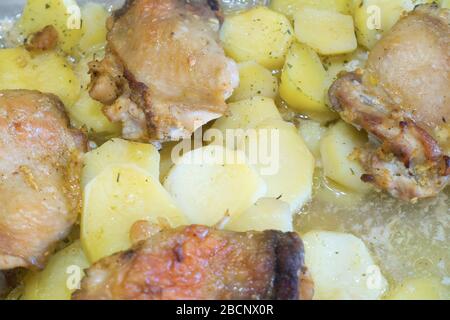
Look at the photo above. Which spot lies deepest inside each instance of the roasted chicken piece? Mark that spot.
(39, 176)
(198, 262)
(164, 73)
(402, 100)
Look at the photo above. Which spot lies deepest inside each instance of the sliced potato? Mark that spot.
(254, 80)
(327, 32)
(247, 114)
(420, 289)
(445, 4)
(259, 34)
(303, 81)
(211, 182)
(93, 29)
(114, 200)
(336, 149)
(312, 132)
(117, 152)
(60, 278)
(166, 163)
(290, 7)
(46, 72)
(283, 161)
(341, 267)
(266, 214)
(64, 15)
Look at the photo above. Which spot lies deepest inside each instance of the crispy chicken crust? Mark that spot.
(198, 262)
(40, 164)
(402, 101)
(164, 73)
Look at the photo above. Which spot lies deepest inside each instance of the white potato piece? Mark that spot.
(254, 80)
(247, 114)
(420, 289)
(266, 214)
(117, 152)
(283, 161)
(303, 82)
(312, 132)
(342, 267)
(166, 163)
(327, 32)
(290, 7)
(259, 34)
(211, 182)
(93, 29)
(336, 148)
(60, 278)
(117, 198)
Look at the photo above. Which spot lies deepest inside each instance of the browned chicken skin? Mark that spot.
(402, 100)
(39, 176)
(198, 262)
(164, 73)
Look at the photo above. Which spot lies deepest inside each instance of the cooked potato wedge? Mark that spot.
(93, 29)
(211, 182)
(327, 32)
(312, 132)
(64, 15)
(259, 34)
(120, 152)
(254, 80)
(303, 82)
(60, 278)
(283, 161)
(342, 267)
(114, 200)
(290, 7)
(266, 214)
(46, 72)
(420, 289)
(336, 148)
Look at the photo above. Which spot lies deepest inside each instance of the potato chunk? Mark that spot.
(420, 289)
(341, 267)
(259, 34)
(254, 80)
(64, 15)
(266, 214)
(327, 32)
(117, 152)
(211, 182)
(336, 148)
(46, 72)
(93, 29)
(60, 278)
(114, 200)
(283, 160)
(290, 7)
(303, 81)
(312, 132)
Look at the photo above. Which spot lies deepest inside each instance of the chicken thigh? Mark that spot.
(40, 162)
(198, 262)
(402, 100)
(164, 73)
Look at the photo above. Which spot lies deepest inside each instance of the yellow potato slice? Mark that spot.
(303, 81)
(283, 161)
(327, 32)
(60, 278)
(259, 34)
(336, 149)
(64, 15)
(211, 182)
(312, 132)
(93, 29)
(254, 80)
(266, 214)
(117, 152)
(342, 267)
(46, 72)
(420, 289)
(114, 200)
(166, 163)
(290, 7)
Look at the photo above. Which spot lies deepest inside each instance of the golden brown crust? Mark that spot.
(43, 40)
(197, 262)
